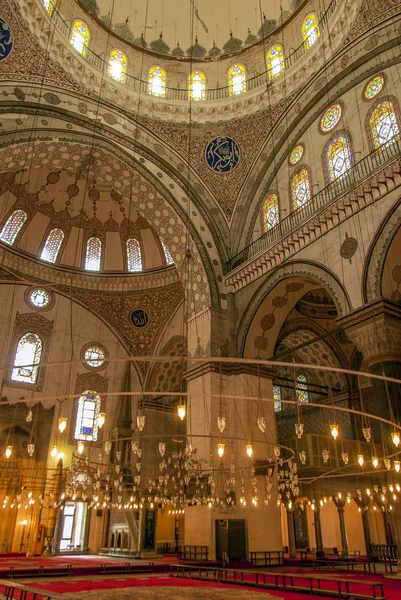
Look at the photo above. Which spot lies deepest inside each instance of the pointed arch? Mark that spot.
(275, 61)
(338, 156)
(13, 226)
(80, 37)
(384, 123)
(118, 65)
(310, 30)
(27, 358)
(87, 416)
(167, 255)
(134, 255)
(52, 245)
(197, 86)
(236, 76)
(93, 254)
(301, 388)
(270, 212)
(301, 188)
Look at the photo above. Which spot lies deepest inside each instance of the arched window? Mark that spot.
(301, 389)
(275, 61)
(301, 188)
(117, 65)
(48, 4)
(236, 80)
(383, 123)
(157, 82)
(270, 212)
(87, 426)
(80, 37)
(52, 245)
(93, 254)
(197, 86)
(277, 398)
(12, 227)
(27, 358)
(167, 255)
(134, 255)
(310, 30)
(338, 156)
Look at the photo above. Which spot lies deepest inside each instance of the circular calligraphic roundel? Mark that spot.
(139, 318)
(6, 40)
(222, 154)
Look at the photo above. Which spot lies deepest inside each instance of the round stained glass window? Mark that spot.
(296, 154)
(40, 298)
(330, 117)
(374, 86)
(94, 357)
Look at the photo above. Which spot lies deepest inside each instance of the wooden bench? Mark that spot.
(14, 591)
(267, 558)
(41, 571)
(291, 582)
(125, 568)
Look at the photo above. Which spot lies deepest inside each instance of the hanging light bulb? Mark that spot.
(162, 448)
(29, 416)
(134, 446)
(277, 451)
(8, 451)
(387, 463)
(140, 421)
(345, 457)
(375, 461)
(101, 419)
(221, 423)
(361, 460)
(367, 433)
(397, 466)
(107, 447)
(53, 452)
(118, 454)
(334, 430)
(326, 455)
(62, 424)
(80, 447)
(261, 424)
(396, 438)
(299, 429)
(302, 456)
(220, 449)
(249, 450)
(182, 411)
(31, 449)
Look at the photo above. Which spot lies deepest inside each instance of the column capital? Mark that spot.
(376, 330)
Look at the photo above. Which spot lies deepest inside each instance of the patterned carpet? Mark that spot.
(177, 593)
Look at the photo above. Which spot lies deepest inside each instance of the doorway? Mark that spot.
(73, 527)
(230, 539)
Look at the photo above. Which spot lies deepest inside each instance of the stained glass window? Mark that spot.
(373, 87)
(13, 226)
(310, 30)
(27, 358)
(236, 80)
(330, 117)
(275, 61)
(197, 86)
(301, 188)
(270, 212)
(157, 82)
(93, 254)
(168, 257)
(80, 37)
(117, 65)
(86, 427)
(52, 245)
(296, 154)
(134, 255)
(48, 6)
(40, 298)
(94, 357)
(301, 389)
(277, 398)
(383, 123)
(338, 156)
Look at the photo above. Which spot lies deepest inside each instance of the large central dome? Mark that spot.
(212, 21)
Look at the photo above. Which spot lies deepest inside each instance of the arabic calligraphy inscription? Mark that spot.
(6, 41)
(222, 154)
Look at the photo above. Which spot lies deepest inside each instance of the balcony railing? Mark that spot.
(141, 86)
(361, 171)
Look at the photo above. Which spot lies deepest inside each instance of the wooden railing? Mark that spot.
(19, 591)
(139, 85)
(361, 171)
(196, 553)
(267, 558)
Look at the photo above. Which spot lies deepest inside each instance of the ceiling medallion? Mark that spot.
(348, 248)
(222, 154)
(6, 44)
(139, 318)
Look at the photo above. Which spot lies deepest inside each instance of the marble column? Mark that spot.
(363, 508)
(318, 533)
(292, 551)
(343, 528)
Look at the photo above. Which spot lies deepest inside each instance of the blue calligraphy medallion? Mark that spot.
(6, 40)
(222, 154)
